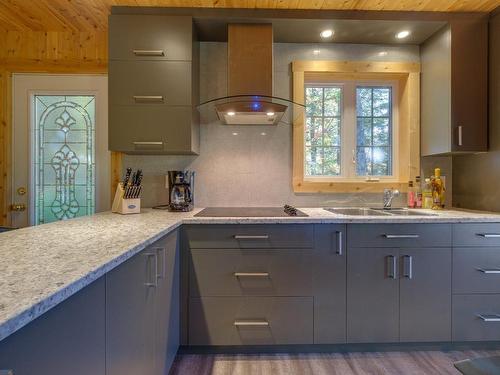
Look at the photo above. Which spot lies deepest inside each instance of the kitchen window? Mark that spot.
(349, 130)
(360, 127)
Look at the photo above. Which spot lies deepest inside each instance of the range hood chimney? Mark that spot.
(250, 98)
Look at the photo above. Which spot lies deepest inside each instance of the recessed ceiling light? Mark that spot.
(382, 53)
(263, 133)
(231, 113)
(326, 33)
(316, 52)
(235, 133)
(402, 34)
(270, 113)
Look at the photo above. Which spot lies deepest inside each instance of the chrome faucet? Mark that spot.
(389, 195)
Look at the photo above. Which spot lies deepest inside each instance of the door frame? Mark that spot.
(6, 129)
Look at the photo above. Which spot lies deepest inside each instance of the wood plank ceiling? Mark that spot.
(91, 15)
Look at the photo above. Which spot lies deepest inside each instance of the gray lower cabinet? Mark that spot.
(398, 294)
(68, 339)
(372, 295)
(329, 284)
(141, 307)
(476, 317)
(425, 295)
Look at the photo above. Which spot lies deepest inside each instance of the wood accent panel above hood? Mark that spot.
(250, 59)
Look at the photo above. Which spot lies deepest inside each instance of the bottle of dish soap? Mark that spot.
(411, 195)
(437, 190)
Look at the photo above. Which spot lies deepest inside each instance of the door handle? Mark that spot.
(18, 207)
(489, 317)
(395, 236)
(160, 250)
(391, 266)
(408, 266)
(148, 98)
(152, 274)
(489, 271)
(460, 135)
(338, 242)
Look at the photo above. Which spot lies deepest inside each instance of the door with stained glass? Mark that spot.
(59, 156)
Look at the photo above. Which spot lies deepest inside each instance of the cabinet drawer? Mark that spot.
(148, 128)
(150, 37)
(476, 317)
(476, 270)
(476, 234)
(250, 320)
(150, 82)
(250, 236)
(398, 235)
(258, 272)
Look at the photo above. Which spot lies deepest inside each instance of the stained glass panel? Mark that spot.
(63, 156)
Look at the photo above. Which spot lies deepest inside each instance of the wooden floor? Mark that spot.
(383, 363)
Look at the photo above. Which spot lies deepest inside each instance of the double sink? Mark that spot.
(377, 212)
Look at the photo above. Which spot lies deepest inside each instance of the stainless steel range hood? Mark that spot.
(250, 99)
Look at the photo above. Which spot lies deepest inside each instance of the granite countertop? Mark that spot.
(44, 265)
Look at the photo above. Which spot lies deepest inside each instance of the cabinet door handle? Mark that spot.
(251, 323)
(408, 266)
(489, 271)
(489, 317)
(245, 237)
(339, 243)
(460, 135)
(251, 274)
(148, 98)
(488, 235)
(148, 52)
(141, 143)
(152, 274)
(160, 250)
(395, 236)
(391, 266)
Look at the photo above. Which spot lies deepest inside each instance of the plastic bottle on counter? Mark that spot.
(437, 190)
(411, 195)
(427, 194)
(418, 192)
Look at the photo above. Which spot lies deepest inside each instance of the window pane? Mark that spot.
(63, 156)
(314, 131)
(332, 101)
(314, 101)
(374, 127)
(323, 131)
(364, 101)
(381, 101)
(331, 131)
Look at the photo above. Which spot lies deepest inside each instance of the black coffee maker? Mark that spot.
(180, 190)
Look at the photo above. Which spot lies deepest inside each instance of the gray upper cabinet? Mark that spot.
(153, 85)
(454, 89)
(150, 37)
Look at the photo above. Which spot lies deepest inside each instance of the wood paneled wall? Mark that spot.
(40, 51)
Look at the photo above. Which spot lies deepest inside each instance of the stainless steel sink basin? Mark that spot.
(357, 211)
(362, 211)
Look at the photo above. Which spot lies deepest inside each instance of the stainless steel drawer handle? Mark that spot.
(245, 237)
(460, 135)
(148, 98)
(489, 235)
(489, 317)
(148, 52)
(489, 270)
(148, 143)
(251, 323)
(251, 274)
(394, 236)
(160, 250)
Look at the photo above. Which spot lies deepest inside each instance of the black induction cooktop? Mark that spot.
(286, 211)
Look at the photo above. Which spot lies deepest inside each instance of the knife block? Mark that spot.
(125, 206)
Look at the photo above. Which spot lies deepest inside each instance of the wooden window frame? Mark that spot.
(407, 74)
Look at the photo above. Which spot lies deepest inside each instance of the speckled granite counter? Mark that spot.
(42, 266)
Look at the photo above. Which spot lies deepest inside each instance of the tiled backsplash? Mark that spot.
(252, 165)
